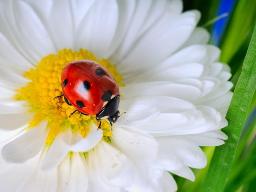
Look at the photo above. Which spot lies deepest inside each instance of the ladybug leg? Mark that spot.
(73, 113)
(99, 127)
(58, 97)
(111, 124)
(113, 118)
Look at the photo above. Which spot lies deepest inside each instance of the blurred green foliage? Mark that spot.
(235, 42)
(239, 31)
(208, 9)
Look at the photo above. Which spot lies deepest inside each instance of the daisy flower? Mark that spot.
(174, 95)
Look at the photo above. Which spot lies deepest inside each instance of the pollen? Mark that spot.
(43, 95)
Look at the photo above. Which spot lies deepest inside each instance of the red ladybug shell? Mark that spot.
(87, 86)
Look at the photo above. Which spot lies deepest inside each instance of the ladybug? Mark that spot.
(91, 90)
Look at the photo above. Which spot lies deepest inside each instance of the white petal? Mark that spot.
(8, 27)
(13, 121)
(222, 103)
(87, 143)
(115, 161)
(43, 8)
(33, 36)
(201, 54)
(12, 107)
(169, 117)
(125, 11)
(145, 15)
(188, 70)
(135, 145)
(158, 8)
(143, 10)
(102, 169)
(189, 153)
(13, 176)
(69, 142)
(162, 88)
(13, 30)
(73, 175)
(98, 28)
(79, 9)
(167, 183)
(182, 64)
(142, 108)
(62, 33)
(184, 172)
(79, 175)
(219, 70)
(97, 183)
(169, 161)
(10, 57)
(215, 69)
(199, 36)
(55, 154)
(225, 75)
(194, 121)
(41, 181)
(25, 146)
(143, 54)
(6, 136)
(6, 93)
(213, 54)
(213, 138)
(11, 80)
(219, 89)
(64, 173)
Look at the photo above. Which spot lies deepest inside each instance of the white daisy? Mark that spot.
(174, 95)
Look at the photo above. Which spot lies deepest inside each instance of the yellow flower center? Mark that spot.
(44, 87)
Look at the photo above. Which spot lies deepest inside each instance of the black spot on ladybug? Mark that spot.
(100, 72)
(65, 82)
(80, 104)
(106, 96)
(87, 85)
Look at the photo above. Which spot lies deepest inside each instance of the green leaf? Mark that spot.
(244, 171)
(247, 134)
(223, 157)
